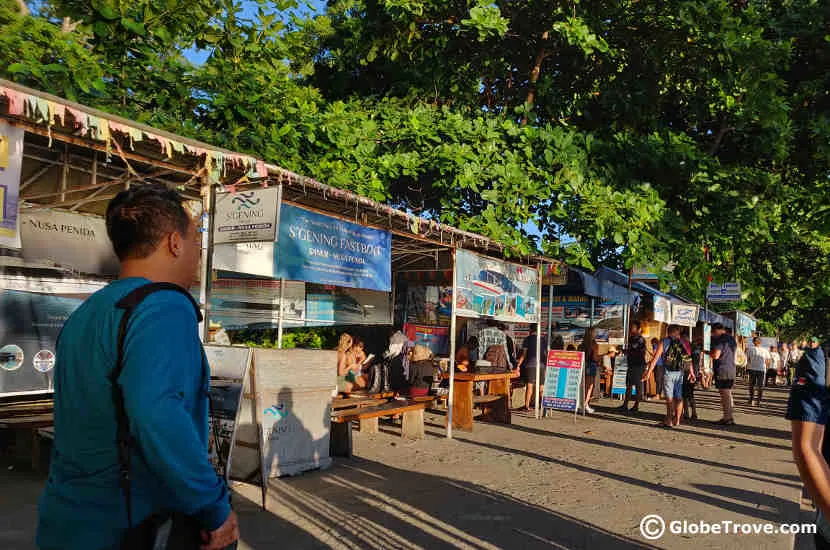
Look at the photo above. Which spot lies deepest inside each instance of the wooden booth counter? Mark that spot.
(495, 404)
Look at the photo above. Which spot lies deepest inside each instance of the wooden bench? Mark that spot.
(341, 422)
(494, 407)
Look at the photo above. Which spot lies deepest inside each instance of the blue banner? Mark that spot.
(321, 249)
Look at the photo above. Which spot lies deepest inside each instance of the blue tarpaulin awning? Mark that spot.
(706, 316)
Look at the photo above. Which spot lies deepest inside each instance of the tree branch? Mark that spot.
(24, 9)
(534, 76)
(719, 139)
(68, 25)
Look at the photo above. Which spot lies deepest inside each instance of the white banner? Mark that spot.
(247, 216)
(662, 309)
(684, 315)
(11, 162)
(251, 258)
(293, 409)
(74, 241)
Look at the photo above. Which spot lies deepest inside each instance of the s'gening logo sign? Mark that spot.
(245, 200)
(247, 209)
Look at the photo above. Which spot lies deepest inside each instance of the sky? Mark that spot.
(249, 10)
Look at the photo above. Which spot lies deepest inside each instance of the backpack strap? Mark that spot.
(124, 439)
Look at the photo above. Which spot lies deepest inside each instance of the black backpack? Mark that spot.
(675, 357)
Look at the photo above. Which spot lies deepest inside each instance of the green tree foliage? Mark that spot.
(38, 53)
(629, 133)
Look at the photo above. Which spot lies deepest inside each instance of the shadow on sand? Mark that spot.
(361, 504)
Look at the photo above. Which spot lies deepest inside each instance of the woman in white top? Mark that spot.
(774, 365)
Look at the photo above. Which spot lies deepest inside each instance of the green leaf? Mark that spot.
(162, 33)
(108, 12)
(134, 26)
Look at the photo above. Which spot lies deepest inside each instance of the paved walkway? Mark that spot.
(549, 483)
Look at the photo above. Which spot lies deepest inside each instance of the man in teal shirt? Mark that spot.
(165, 386)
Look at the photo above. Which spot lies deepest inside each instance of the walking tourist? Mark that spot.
(658, 368)
(740, 359)
(532, 365)
(759, 362)
(792, 360)
(130, 363)
(723, 352)
(689, 382)
(676, 357)
(591, 349)
(808, 410)
(774, 366)
(636, 356)
(785, 361)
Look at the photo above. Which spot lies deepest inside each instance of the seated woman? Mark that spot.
(467, 355)
(350, 358)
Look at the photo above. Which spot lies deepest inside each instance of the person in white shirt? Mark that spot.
(774, 366)
(759, 360)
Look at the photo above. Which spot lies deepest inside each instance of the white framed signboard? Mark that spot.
(247, 216)
(229, 367)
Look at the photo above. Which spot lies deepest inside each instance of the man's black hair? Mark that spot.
(718, 326)
(139, 217)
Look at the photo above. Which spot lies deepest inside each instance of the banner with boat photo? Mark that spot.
(492, 288)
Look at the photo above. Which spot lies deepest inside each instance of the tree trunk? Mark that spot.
(24, 9)
(534, 76)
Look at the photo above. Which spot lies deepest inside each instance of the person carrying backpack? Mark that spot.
(130, 467)
(677, 359)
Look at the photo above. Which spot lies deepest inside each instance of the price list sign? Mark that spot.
(562, 380)
(618, 384)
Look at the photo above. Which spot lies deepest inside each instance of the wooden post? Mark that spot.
(412, 426)
(65, 172)
(206, 282)
(369, 425)
(451, 408)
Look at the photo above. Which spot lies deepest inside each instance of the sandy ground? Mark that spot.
(549, 483)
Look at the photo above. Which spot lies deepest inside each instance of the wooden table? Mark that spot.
(496, 404)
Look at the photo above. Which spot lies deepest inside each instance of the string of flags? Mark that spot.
(99, 128)
(216, 163)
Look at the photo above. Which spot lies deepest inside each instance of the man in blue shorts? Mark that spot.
(676, 359)
(808, 410)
